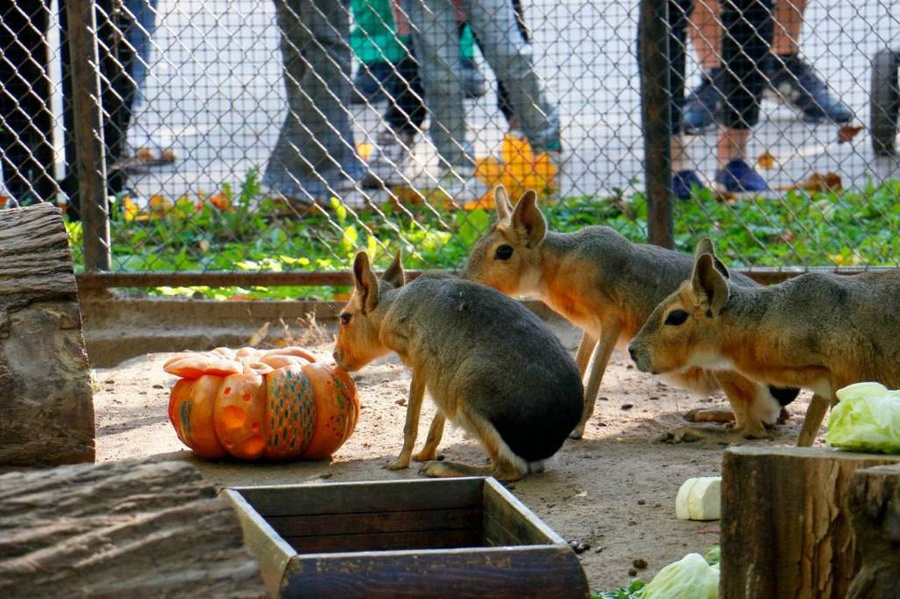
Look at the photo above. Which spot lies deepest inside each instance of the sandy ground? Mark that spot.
(614, 490)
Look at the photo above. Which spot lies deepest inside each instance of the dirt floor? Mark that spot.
(614, 490)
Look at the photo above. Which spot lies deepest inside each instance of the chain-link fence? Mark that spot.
(257, 136)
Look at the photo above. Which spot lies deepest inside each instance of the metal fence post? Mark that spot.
(655, 57)
(88, 125)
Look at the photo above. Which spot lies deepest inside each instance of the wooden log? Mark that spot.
(873, 501)
(123, 529)
(785, 531)
(48, 414)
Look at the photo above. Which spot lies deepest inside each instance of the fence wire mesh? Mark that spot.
(282, 135)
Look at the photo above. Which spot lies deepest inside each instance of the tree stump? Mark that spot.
(873, 500)
(48, 414)
(125, 529)
(785, 530)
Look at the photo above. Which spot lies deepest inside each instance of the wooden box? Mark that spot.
(464, 537)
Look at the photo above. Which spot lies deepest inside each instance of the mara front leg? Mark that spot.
(411, 428)
(742, 394)
(585, 349)
(429, 450)
(609, 335)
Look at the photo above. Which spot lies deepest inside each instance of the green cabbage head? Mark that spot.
(688, 578)
(866, 419)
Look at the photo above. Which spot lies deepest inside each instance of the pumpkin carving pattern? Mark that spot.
(249, 403)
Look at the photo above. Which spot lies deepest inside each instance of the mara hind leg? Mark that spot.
(505, 466)
(815, 414)
(608, 337)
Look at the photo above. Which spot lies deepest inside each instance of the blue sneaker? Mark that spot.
(703, 104)
(793, 81)
(739, 177)
(684, 182)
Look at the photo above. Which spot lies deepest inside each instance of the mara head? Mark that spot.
(358, 340)
(508, 256)
(682, 332)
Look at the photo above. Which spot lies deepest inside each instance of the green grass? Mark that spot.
(252, 233)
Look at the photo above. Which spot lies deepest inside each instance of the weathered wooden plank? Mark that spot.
(785, 531)
(873, 500)
(272, 551)
(378, 496)
(46, 403)
(377, 522)
(517, 572)
(35, 264)
(428, 539)
(516, 520)
(123, 529)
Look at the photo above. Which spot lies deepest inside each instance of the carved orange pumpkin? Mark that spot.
(250, 403)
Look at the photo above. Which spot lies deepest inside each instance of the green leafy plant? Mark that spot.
(240, 228)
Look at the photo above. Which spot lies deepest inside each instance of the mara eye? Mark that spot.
(345, 317)
(504, 252)
(676, 317)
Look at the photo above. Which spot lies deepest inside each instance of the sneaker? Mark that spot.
(389, 157)
(684, 183)
(703, 103)
(462, 186)
(474, 83)
(739, 177)
(793, 81)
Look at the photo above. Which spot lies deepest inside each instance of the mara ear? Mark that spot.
(365, 282)
(394, 273)
(527, 220)
(709, 284)
(501, 201)
(705, 246)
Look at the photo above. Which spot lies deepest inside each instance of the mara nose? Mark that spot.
(336, 355)
(632, 354)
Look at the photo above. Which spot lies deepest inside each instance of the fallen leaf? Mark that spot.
(847, 133)
(766, 160)
(342, 297)
(818, 183)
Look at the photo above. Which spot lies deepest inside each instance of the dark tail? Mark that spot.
(784, 395)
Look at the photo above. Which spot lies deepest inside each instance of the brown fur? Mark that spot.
(819, 330)
(489, 364)
(606, 285)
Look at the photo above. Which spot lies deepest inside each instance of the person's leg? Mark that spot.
(705, 100)
(684, 178)
(26, 120)
(436, 44)
(502, 95)
(788, 23)
(493, 22)
(139, 35)
(747, 38)
(314, 156)
(792, 79)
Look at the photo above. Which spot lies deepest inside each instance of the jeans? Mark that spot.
(495, 26)
(139, 33)
(315, 149)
